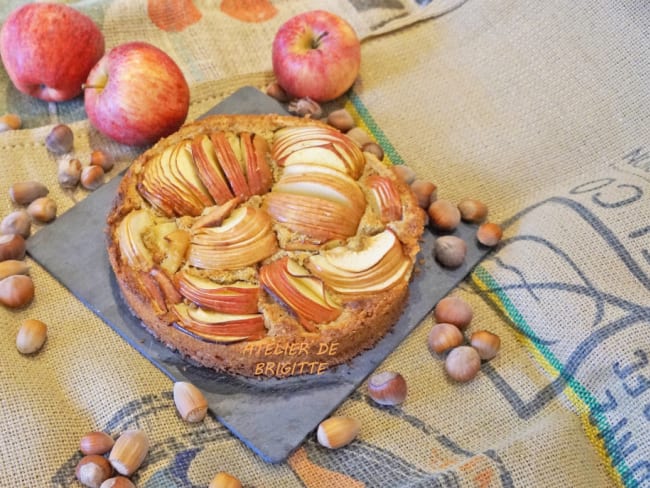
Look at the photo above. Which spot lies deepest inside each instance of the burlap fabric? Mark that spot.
(538, 108)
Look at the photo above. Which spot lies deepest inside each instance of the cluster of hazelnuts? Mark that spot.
(71, 172)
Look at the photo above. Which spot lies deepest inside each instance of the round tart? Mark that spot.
(265, 246)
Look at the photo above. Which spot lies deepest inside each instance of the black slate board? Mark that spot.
(272, 417)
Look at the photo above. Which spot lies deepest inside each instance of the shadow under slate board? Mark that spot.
(272, 417)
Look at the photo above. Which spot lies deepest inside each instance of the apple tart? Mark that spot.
(263, 245)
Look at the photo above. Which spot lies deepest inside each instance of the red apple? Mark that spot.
(48, 50)
(317, 55)
(136, 94)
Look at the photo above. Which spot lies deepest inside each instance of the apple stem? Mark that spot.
(316, 42)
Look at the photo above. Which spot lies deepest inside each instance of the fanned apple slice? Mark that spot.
(218, 326)
(373, 249)
(338, 187)
(302, 292)
(258, 172)
(170, 183)
(235, 298)
(376, 267)
(228, 151)
(244, 238)
(209, 169)
(130, 234)
(319, 219)
(322, 146)
(188, 174)
(183, 201)
(386, 199)
(155, 189)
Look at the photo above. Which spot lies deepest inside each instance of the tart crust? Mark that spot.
(288, 347)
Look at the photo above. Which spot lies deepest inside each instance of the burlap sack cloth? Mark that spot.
(538, 108)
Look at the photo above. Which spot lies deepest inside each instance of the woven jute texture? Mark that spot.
(540, 109)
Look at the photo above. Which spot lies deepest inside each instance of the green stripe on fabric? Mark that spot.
(374, 129)
(581, 393)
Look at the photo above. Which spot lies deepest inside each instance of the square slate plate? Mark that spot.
(272, 417)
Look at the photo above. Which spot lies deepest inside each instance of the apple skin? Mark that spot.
(136, 94)
(48, 49)
(316, 54)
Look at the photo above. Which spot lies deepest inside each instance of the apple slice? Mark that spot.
(170, 183)
(217, 214)
(322, 146)
(373, 268)
(188, 174)
(318, 219)
(244, 238)
(166, 286)
(302, 292)
(228, 151)
(258, 172)
(385, 198)
(373, 249)
(209, 170)
(336, 187)
(235, 298)
(220, 327)
(130, 234)
(154, 189)
(178, 242)
(152, 290)
(183, 201)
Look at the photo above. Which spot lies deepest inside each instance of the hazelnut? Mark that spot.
(450, 251)
(69, 173)
(471, 210)
(444, 337)
(486, 343)
(10, 267)
(117, 482)
(93, 470)
(129, 451)
(424, 191)
(100, 158)
(42, 209)
(190, 402)
(17, 222)
(305, 107)
(12, 246)
(274, 90)
(31, 336)
(463, 363)
(10, 122)
(405, 173)
(224, 480)
(359, 136)
(96, 443)
(374, 149)
(341, 119)
(453, 310)
(336, 432)
(489, 234)
(25, 192)
(387, 388)
(92, 177)
(16, 291)
(60, 139)
(444, 215)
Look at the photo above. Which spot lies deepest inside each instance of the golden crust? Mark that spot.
(288, 348)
